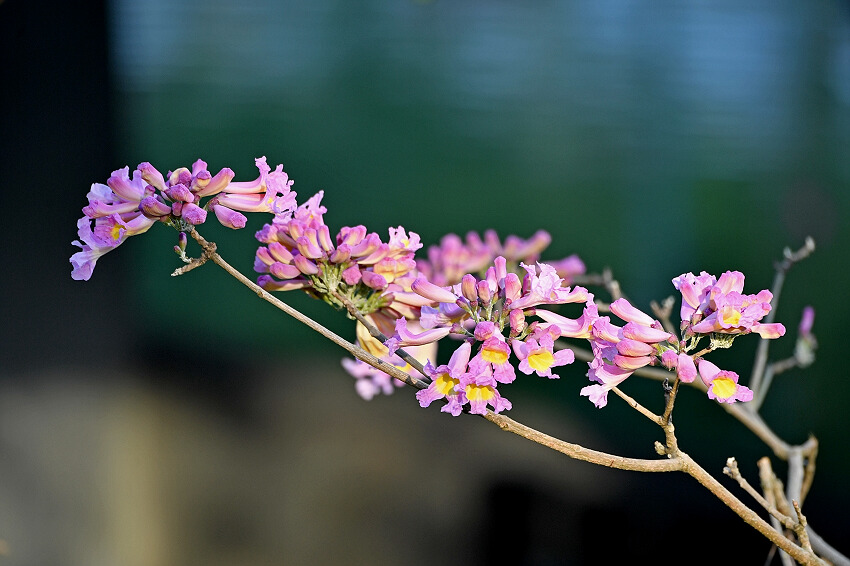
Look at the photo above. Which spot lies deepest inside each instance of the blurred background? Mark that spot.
(153, 420)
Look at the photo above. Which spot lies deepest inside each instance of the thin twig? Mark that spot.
(357, 352)
(802, 524)
(751, 420)
(796, 471)
(378, 335)
(823, 548)
(197, 262)
(671, 399)
(638, 407)
(768, 485)
(809, 476)
(581, 453)
(733, 472)
(749, 516)
(782, 267)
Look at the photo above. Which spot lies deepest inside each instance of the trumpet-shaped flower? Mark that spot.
(453, 258)
(546, 287)
(723, 385)
(479, 388)
(710, 305)
(538, 355)
(445, 379)
(373, 275)
(608, 376)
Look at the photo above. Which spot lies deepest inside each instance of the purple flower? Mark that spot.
(579, 328)
(478, 388)
(454, 257)
(109, 233)
(114, 209)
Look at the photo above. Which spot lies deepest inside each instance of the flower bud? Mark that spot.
(467, 287)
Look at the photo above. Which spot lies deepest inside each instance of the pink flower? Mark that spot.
(579, 328)
(433, 292)
(539, 355)
(695, 290)
(454, 258)
(445, 379)
(608, 376)
(623, 309)
(109, 233)
(478, 388)
(496, 352)
(723, 385)
(685, 367)
(807, 320)
(710, 305)
(546, 287)
(128, 206)
(405, 337)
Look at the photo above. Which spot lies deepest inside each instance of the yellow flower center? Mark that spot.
(724, 387)
(494, 356)
(479, 392)
(730, 316)
(541, 360)
(116, 231)
(445, 384)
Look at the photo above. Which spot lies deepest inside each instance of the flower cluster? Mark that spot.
(356, 266)
(489, 316)
(711, 305)
(453, 258)
(299, 253)
(617, 350)
(126, 206)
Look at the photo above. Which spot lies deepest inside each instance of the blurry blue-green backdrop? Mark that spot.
(652, 138)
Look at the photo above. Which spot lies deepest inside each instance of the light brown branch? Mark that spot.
(767, 504)
(638, 407)
(676, 461)
(357, 352)
(378, 335)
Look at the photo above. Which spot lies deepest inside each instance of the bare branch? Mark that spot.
(768, 505)
(782, 267)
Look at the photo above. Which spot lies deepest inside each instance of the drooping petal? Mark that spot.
(623, 309)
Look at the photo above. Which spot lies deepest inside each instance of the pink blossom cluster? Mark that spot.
(489, 316)
(299, 253)
(711, 305)
(617, 350)
(470, 289)
(448, 262)
(126, 206)
(375, 276)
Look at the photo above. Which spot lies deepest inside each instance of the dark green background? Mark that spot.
(651, 138)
